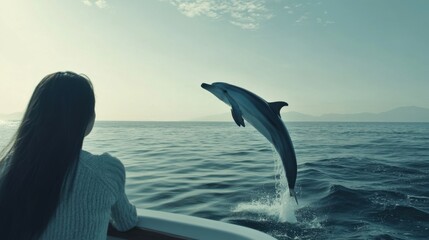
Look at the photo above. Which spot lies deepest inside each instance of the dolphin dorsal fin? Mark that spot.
(276, 106)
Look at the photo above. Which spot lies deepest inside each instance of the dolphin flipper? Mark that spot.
(237, 115)
(276, 106)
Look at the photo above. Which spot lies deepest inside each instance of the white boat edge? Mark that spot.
(189, 227)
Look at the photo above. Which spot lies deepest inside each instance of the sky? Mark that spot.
(147, 59)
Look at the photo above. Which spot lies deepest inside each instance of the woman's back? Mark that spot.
(97, 194)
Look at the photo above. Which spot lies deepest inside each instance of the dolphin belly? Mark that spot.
(258, 125)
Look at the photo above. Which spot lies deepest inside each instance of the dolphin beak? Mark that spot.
(206, 86)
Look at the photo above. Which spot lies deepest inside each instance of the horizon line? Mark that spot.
(205, 118)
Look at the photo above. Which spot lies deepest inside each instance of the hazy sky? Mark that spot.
(147, 58)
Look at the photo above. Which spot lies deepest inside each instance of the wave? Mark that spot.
(398, 213)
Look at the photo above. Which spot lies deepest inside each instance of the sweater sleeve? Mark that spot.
(123, 213)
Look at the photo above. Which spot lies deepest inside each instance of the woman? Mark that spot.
(49, 187)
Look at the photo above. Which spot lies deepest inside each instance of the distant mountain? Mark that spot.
(12, 116)
(406, 114)
(400, 114)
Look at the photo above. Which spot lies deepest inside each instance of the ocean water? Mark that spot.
(355, 180)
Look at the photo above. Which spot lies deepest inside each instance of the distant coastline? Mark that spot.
(11, 116)
(400, 114)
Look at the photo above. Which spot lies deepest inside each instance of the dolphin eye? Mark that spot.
(224, 91)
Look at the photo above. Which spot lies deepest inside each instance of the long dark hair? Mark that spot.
(39, 165)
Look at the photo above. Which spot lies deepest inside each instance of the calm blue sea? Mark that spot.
(355, 180)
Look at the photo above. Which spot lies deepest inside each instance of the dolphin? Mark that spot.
(265, 117)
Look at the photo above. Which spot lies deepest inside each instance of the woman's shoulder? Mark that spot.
(106, 167)
(104, 160)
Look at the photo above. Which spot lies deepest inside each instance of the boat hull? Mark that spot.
(170, 226)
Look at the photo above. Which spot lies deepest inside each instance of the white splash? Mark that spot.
(279, 208)
(287, 205)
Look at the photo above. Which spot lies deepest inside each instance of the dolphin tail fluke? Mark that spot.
(293, 194)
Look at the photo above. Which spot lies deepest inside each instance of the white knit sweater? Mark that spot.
(97, 197)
